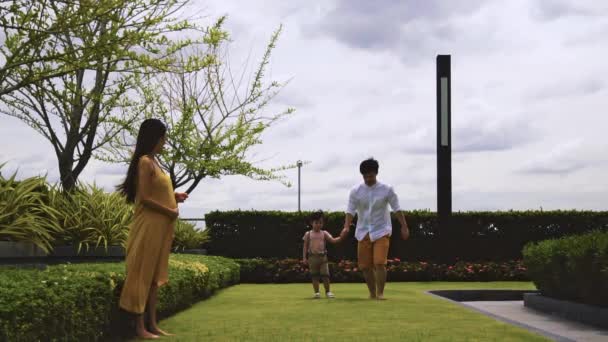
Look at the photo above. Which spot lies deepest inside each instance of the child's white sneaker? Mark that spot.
(328, 294)
(316, 296)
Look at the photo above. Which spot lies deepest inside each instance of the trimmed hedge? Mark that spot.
(479, 236)
(571, 268)
(79, 302)
(294, 271)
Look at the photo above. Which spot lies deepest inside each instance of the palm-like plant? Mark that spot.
(188, 237)
(24, 213)
(91, 217)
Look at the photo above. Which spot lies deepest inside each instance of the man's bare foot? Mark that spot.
(146, 335)
(380, 297)
(158, 331)
(371, 296)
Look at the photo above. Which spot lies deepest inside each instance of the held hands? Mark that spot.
(180, 197)
(344, 233)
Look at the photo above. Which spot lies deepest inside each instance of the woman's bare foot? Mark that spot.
(158, 331)
(380, 297)
(146, 335)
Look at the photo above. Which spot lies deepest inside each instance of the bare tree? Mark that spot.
(213, 118)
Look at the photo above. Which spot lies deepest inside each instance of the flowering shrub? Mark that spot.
(79, 302)
(293, 271)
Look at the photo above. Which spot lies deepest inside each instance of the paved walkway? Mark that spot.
(556, 328)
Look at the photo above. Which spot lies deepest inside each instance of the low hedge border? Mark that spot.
(573, 268)
(472, 236)
(79, 302)
(259, 270)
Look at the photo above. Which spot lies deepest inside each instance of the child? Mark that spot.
(315, 253)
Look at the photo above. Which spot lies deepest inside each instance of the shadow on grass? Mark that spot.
(338, 299)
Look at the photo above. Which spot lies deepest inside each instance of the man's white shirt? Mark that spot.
(371, 203)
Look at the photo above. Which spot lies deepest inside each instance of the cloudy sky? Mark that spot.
(529, 99)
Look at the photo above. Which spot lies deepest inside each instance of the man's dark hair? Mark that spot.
(317, 215)
(369, 165)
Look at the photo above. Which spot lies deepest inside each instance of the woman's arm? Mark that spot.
(180, 197)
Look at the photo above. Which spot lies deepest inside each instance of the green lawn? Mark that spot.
(286, 313)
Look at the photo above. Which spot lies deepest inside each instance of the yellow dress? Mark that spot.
(148, 244)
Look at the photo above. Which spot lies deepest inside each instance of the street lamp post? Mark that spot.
(444, 140)
(299, 163)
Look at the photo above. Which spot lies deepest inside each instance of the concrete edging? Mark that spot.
(583, 313)
(481, 295)
(18, 249)
(99, 251)
(545, 333)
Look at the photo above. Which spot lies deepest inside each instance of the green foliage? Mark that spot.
(103, 46)
(24, 215)
(79, 302)
(91, 217)
(259, 270)
(49, 39)
(471, 236)
(187, 236)
(87, 216)
(572, 268)
(212, 120)
(264, 313)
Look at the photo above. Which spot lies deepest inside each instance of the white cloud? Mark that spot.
(528, 97)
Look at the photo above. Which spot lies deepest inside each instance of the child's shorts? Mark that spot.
(317, 263)
(372, 253)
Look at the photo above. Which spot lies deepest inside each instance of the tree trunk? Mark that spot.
(194, 184)
(68, 179)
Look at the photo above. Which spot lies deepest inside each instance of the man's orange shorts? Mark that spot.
(372, 253)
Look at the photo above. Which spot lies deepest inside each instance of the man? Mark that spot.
(370, 202)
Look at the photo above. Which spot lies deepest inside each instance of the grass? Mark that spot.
(250, 312)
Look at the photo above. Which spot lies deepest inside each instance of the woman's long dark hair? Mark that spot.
(150, 133)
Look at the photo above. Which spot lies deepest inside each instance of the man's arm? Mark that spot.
(305, 248)
(405, 231)
(393, 200)
(351, 209)
(401, 218)
(348, 221)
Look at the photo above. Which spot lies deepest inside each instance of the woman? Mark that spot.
(151, 232)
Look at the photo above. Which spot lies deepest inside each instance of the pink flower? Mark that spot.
(397, 260)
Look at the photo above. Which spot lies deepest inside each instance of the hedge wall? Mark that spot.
(571, 268)
(479, 236)
(79, 302)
